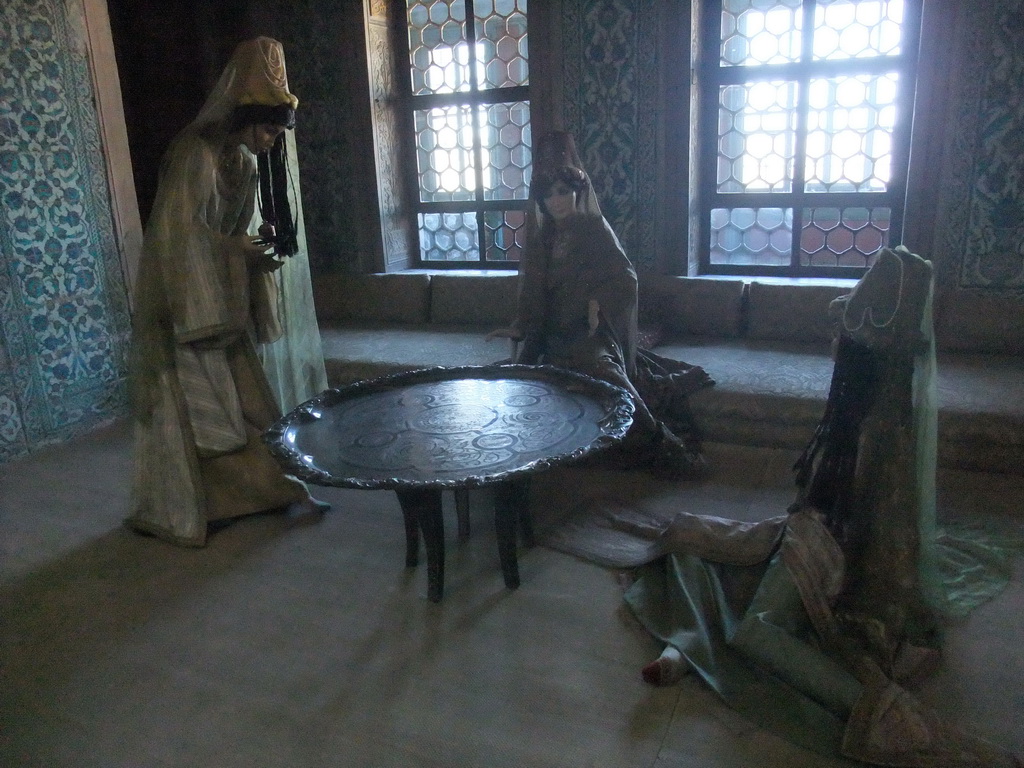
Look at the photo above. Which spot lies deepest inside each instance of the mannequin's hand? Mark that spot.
(259, 258)
(505, 333)
(593, 310)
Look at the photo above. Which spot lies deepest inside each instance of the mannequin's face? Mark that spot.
(560, 200)
(261, 136)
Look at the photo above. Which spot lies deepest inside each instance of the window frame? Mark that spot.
(710, 75)
(475, 99)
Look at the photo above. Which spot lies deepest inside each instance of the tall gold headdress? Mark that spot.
(260, 75)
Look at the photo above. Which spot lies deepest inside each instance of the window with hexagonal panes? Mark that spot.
(805, 113)
(469, 64)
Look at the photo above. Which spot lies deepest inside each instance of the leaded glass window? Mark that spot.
(805, 109)
(469, 66)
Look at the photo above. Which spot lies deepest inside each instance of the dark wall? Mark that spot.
(170, 55)
(325, 49)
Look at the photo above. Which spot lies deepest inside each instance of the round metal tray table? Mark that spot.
(422, 432)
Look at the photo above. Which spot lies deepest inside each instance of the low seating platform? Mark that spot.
(766, 344)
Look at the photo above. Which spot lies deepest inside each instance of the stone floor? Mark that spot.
(305, 642)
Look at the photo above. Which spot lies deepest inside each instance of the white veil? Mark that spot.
(294, 363)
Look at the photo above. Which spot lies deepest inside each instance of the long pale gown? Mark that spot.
(811, 623)
(200, 396)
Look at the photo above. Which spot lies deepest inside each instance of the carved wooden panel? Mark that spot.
(395, 226)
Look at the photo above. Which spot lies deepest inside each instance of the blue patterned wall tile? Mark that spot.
(63, 303)
(993, 241)
(12, 433)
(611, 107)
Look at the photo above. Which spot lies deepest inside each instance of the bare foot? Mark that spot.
(667, 669)
(316, 505)
(309, 506)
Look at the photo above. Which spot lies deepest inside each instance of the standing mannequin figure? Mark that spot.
(206, 296)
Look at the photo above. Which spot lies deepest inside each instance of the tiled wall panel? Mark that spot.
(64, 321)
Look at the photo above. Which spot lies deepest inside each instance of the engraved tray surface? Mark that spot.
(449, 427)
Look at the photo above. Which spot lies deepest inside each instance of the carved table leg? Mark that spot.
(509, 500)
(424, 507)
(410, 516)
(462, 512)
(521, 491)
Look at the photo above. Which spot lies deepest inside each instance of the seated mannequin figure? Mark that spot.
(811, 623)
(205, 297)
(577, 309)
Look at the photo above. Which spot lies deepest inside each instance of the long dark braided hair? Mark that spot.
(825, 470)
(272, 169)
(275, 207)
